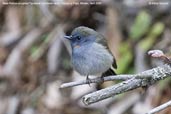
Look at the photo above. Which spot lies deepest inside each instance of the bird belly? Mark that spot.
(92, 60)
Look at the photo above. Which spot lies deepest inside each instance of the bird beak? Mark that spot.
(68, 37)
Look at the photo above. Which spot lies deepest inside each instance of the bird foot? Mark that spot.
(88, 81)
(102, 79)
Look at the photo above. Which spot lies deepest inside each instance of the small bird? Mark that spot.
(90, 53)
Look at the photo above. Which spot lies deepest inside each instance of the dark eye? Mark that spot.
(78, 38)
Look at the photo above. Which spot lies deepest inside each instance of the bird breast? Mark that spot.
(91, 59)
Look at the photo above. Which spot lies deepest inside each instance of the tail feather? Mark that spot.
(114, 64)
(109, 72)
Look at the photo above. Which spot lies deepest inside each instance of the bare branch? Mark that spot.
(157, 74)
(159, 108)
(108, 78)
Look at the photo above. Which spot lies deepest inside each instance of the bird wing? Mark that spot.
(101, 39)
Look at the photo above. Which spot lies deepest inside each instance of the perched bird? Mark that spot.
(90, 53)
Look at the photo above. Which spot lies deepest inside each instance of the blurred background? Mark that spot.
(35, 58)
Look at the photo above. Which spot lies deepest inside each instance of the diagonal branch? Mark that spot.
(156, 74)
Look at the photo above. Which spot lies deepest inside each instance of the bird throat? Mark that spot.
(77, 46)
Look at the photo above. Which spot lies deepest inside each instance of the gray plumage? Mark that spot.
(90, 53)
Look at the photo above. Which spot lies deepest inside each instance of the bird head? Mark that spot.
(81, 36)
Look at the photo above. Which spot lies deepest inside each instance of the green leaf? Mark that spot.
(141, 25)
(125, 59)
(33, 49)
(157, 29)
(148, 42)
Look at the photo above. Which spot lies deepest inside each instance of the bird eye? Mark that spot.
(78, 38)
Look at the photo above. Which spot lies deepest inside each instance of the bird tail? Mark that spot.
(109, 72)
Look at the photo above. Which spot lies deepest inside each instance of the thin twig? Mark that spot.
(108, 78)
(159, 108)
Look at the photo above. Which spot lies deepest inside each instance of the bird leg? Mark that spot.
(88, 80)
(102, 79)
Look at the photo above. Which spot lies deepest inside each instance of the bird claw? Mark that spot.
(102, 79)
(88, 81)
